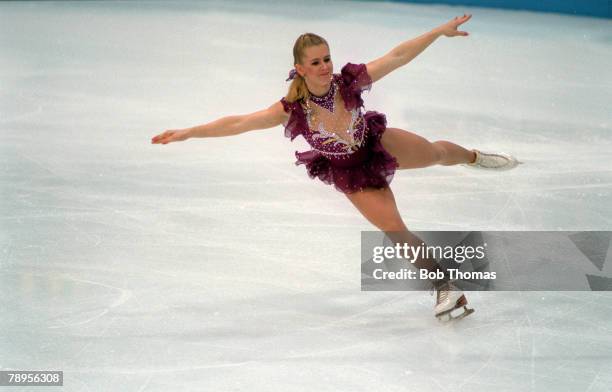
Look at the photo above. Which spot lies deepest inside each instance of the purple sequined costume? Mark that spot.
(350, 165)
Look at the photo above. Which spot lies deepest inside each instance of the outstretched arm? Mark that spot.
(227, 126)
(406, 51)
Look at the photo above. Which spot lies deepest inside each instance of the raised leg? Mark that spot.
(413, 151)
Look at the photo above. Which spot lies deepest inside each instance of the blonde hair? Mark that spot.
(298, 90)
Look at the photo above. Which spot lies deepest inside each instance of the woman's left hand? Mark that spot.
(450, 28)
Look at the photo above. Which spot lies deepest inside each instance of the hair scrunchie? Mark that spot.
(292, 75)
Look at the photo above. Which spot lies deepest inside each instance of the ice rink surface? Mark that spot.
(218, 265)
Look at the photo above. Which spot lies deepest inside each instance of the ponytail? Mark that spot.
(298, 90)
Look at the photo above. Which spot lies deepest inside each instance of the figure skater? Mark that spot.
(354, 151)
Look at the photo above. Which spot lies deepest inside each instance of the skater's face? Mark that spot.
(317, 66)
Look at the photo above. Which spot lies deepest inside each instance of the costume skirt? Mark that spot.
(369, 167)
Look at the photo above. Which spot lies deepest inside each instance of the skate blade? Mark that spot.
(466, 312)
(448, 316)
(512, 163)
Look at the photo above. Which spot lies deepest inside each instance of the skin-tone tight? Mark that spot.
(411, 151)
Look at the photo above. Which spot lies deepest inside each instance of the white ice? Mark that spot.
(217, 264)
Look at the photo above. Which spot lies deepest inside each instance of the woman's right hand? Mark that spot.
(171, 135)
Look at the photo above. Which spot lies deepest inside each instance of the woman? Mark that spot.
(356, 152)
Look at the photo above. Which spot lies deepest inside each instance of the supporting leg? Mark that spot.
(379, 208)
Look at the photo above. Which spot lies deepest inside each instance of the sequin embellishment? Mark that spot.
(322, 121)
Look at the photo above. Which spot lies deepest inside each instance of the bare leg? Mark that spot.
(413, 151)
(379, 208)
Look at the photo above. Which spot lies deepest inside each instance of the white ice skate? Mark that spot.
(448, 299)
(493, 161)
